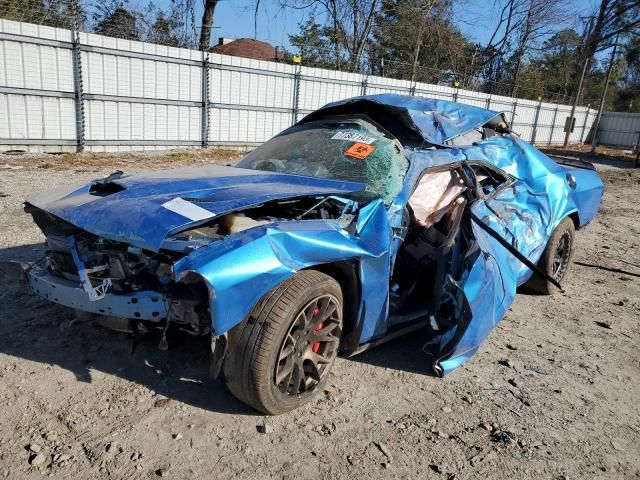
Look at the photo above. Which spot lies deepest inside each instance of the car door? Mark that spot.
(516, 211)
(487, 287)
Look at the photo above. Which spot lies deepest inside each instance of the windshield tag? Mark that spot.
(359, 151)
(353, 137)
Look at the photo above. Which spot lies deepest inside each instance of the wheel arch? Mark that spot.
(232, 295)
(245, 267)
(345, 272)
(575, 217)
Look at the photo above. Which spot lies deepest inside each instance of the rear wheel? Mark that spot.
(556, 258)
(280, 356)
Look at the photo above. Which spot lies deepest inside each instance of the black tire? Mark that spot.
(556, 258)
(282, 320)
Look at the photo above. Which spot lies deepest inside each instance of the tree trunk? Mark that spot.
(207, 23)
(589, 49)
(416, 51)
(585, 63)
(336, 46)
(416, 54)
(596, 124)
(522, 47)
(362, 39)
(516, 74)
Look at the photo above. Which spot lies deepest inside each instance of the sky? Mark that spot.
(235, 19)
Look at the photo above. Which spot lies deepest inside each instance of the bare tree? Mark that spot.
(541, 19)
(420, 10)
(512, 14)
(352, 22)
(613, 18)
(207, 23)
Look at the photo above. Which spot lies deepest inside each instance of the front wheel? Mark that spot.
(556, 258)
(279, 358)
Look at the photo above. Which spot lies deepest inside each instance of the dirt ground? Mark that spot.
(552, 394)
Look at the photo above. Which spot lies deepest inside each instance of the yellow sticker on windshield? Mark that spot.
(359, 151)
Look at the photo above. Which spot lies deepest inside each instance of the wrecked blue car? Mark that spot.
(370, 218)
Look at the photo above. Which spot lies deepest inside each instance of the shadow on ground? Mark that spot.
(41, 331)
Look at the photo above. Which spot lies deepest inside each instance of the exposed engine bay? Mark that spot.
(102, 265)
(316, 208)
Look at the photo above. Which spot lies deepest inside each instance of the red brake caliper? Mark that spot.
(316, 346)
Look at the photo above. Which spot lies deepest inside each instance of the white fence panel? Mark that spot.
(319, 87)
(619, 129)
(245, 127)
(124, 95)
(26, 70)
(387, 85)
(250, 100)
(26, 117)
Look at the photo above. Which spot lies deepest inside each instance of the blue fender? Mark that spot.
(243, 267)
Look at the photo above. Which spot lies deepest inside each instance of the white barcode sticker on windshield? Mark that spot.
(352, 136)
(188, 209)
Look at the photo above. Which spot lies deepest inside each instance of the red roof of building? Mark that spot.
(249, 48)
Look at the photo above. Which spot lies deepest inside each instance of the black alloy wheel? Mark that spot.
(562, 256)
(309, 346)
(556, 258)
(281, 355)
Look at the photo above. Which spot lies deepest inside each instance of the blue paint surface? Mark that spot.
(136, 215)
(241, 268)
(438, 121)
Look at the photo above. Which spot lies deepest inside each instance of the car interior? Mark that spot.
(438, 244)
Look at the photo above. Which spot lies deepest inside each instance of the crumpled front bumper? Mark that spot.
(145, 305)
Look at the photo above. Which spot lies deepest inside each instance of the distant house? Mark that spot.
(248, 48)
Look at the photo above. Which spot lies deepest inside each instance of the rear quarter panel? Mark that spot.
(587, 194)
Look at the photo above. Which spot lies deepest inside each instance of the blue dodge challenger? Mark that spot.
(370, 218)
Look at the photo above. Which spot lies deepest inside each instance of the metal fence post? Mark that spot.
(584, 125)
(365, 82)
(77, 80)
(205, 101)
(296, 95)
(553, 124)
(535, 123)
(513, 113)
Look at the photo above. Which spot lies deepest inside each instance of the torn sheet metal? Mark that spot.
(438, 121)
(137, 214)
(240, 268)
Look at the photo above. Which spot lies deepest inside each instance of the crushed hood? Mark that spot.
(144, 209)
(437, 121)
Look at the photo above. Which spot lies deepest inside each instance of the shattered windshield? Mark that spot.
(345, 149)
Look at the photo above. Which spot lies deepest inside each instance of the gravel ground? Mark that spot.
(552, 394)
